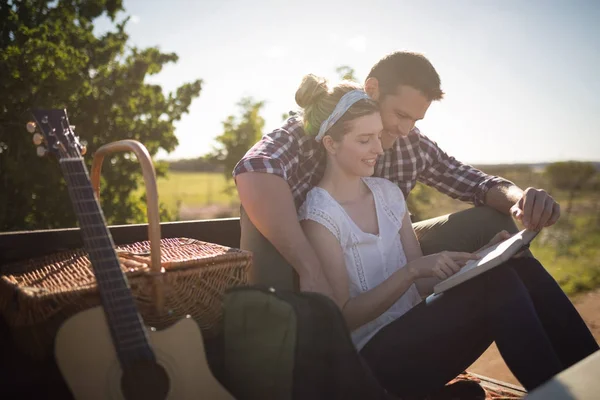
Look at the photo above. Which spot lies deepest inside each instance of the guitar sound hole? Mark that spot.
(145, 380)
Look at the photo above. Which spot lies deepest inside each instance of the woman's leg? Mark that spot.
(568, 333)
(431, 344)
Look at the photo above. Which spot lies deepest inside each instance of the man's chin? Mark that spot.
(388, 140)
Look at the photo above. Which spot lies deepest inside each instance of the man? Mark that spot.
(276, 173)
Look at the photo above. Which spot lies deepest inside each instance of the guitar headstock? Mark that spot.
(57, 135)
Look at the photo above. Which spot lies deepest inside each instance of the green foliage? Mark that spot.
(346, 73)
(50, 58)
(570, 250)
(570, 175)
(239, 134)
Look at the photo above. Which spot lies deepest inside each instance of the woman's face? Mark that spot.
(357, 152)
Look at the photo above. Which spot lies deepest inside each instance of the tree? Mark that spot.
(239, 134)
(571, 176)
(346, 73)
(50, 58)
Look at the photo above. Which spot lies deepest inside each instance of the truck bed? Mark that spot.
(25, 378)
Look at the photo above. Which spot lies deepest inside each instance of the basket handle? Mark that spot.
(149, 174)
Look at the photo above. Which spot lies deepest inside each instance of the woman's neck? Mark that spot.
(343, 187)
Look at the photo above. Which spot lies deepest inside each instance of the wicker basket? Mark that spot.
(38, 295)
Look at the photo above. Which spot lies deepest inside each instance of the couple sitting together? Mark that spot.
(324, 196)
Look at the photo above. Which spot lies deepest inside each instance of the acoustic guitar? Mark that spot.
(107, 352)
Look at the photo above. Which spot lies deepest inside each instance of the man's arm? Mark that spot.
(503, 196)
(268, 201)
(535, 208)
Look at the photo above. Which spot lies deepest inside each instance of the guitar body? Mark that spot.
(86, 356)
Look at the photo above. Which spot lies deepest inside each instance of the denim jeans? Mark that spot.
(518, 305)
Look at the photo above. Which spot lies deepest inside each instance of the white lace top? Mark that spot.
(370, 259)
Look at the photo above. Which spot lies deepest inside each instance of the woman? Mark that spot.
(361, 230)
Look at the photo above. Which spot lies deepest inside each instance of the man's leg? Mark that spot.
(568, 332)
(268, 265)
(466, 230)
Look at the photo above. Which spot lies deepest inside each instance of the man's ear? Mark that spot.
(372, 88)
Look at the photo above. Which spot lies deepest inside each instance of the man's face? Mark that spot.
(399, 113)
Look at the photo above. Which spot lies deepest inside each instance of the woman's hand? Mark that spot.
(440, 265)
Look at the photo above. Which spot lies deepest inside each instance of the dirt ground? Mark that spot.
(491, 364)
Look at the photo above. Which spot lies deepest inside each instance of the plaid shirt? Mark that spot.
(295, 156)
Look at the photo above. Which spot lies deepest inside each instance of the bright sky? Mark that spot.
(521, 77)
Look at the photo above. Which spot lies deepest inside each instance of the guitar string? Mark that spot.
(115, 283)
(136, 338)
(68, 162)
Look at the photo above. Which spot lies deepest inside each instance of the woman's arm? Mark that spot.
(368, 305)
(433, 268)
(412, 250)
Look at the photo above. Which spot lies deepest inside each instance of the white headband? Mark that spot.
(340, 109)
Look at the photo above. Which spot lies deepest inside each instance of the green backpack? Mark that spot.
(291, 346)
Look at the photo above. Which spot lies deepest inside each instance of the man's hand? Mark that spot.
(536, 209)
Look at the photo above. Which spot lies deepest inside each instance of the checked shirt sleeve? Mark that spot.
(450, 176)
(276, 153)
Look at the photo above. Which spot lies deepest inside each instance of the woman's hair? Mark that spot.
(318, 101)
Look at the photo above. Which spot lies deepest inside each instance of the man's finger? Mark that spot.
(528, 203)
(546, 213)
(516, 211)
(555, 214)
(539, 206)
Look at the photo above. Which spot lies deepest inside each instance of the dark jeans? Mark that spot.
(518, 305)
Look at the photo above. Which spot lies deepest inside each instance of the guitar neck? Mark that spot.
(127, 329)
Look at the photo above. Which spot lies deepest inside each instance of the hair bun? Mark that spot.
(311, 90)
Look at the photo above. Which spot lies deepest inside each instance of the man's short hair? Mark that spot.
(410, 69)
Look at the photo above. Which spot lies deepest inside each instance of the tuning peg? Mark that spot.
(41, 151)
(37, 139)
(30, 127)
(72, 127)
(83, 147)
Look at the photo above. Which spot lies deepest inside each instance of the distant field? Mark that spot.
(195, 190)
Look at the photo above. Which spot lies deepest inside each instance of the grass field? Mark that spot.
(184, 192)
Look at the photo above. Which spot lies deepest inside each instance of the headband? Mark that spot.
(340, 109)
